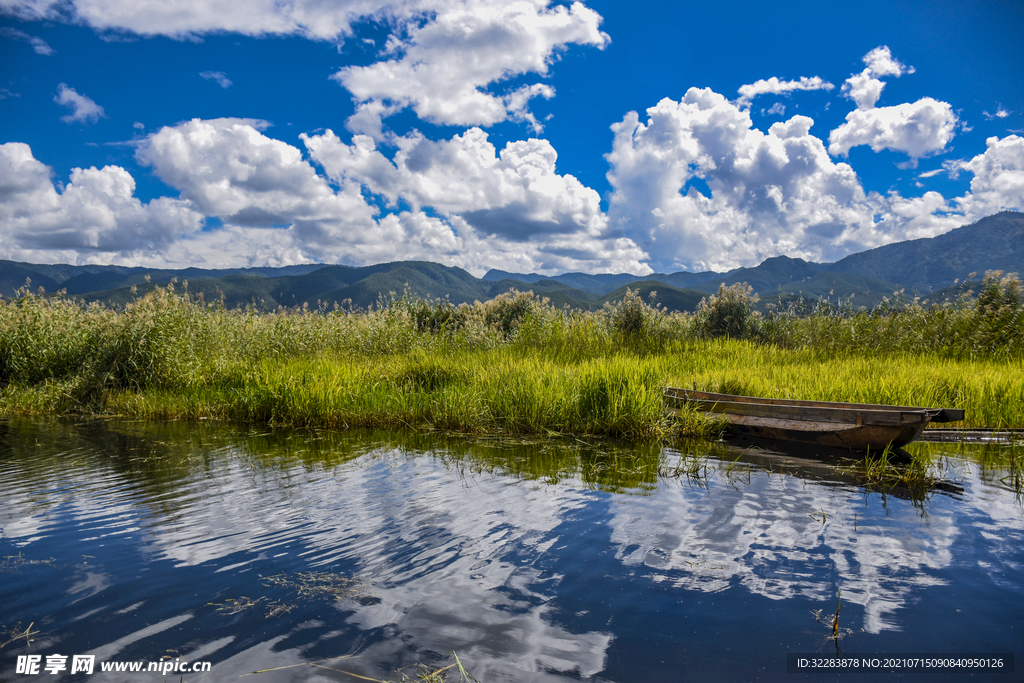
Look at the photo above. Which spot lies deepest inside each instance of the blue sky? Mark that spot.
(529, 136)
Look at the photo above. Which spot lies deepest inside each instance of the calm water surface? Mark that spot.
(534, 561)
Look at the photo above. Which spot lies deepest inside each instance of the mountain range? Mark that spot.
(920, 267)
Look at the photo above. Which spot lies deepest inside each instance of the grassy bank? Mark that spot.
(521, 391)
(511, 365)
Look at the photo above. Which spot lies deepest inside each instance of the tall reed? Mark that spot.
(513, 364)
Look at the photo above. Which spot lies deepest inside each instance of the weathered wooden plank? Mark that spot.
(812, 414)
(940, 414)
(936, 414)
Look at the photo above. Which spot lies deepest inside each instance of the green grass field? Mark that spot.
(513, 365)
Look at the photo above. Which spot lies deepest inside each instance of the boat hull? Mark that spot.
(850, 426)
(827, 434)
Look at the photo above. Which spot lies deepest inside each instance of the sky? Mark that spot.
(528, 136)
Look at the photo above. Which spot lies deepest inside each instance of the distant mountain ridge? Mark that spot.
(921, 266)
(606, 282)
(85, 279)
(993, 243)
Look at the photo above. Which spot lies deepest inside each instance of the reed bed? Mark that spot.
(511, 365)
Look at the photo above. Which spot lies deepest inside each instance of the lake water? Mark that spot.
(257, 549)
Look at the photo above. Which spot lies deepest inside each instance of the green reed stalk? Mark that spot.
(512, 365)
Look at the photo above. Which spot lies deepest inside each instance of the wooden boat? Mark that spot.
(853, 426)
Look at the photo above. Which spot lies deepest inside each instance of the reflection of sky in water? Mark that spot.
(769, 536)
(480, 563)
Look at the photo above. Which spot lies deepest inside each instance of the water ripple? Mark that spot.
(131, 540)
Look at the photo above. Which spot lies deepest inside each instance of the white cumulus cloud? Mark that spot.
(96, 212)
(865, 88)
(514, 199)
(516, 193)
(998, 181)
(772, 193)
(880, 62)
(443, 57)
(229, 169)
(471, 205)
(184, 18)
(495, 212)
(774, 86)
(444, 67)
(918, 129)
(82, 108)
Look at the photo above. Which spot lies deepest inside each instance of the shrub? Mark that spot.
(631, 316)
(999, 312)
(506, 311)
(728, 313)
(160, 340)
(429, 314)
(44, 338)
